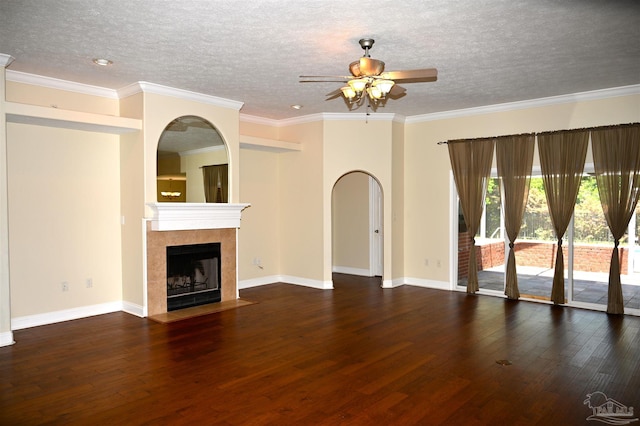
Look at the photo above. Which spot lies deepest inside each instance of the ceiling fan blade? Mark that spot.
(334, 94)
(412, 76)
(397, 92)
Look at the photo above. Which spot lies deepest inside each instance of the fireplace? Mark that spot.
(184, 224)
(193, 275)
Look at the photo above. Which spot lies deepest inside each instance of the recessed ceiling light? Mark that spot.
(103, 62)
(296, 106)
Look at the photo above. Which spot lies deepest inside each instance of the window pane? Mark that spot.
(536, 246)
(489, 244)
(593, 245)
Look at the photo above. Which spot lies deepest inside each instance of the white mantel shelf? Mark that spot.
(188, 216)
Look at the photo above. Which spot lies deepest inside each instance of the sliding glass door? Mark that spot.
(588, 246)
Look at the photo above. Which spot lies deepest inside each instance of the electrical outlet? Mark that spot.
(426, 262)
(65, 286)
(89, 282)
(438, 263)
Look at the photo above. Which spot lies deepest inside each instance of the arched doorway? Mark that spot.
(356, 225)
(192, 162)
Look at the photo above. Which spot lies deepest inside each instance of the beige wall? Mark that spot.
(427, 171)
(260, 233)
(71, 237)
(249, 127)
(6, 335)
(169, 164)
(302, 205)
(397, 204)
(132, 207)
(364, 146)
(72, 101)
(350, 222)
(64, 218)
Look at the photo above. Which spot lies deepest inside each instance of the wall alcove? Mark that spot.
(191, 148)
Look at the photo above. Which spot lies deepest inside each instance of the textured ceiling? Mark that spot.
(487, 52)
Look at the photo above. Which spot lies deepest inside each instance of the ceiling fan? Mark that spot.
(369, 83)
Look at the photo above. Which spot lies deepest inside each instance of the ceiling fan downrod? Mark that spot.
(366, 44)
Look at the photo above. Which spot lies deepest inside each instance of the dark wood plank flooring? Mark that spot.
(355, 355)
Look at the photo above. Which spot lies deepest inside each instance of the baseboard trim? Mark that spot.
(272, 279)
(351, 271)
(306, 282)
(419, 282)
(28, 321)
(257, 282)
(134, 309)
(396, 282)
(6, 339)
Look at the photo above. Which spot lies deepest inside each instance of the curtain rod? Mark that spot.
(610, 126)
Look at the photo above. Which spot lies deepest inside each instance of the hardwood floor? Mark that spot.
(355, 355)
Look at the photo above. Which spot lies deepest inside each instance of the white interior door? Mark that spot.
(376, 229)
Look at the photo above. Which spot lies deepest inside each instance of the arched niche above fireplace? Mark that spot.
(188, 145)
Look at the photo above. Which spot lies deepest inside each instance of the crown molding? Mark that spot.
(533, 103)
(324, 116)
(284, 122)
(202, 150)
(55, 83)
(146, 87)
(5, 60)
(361, 116)
(254, 119)
(140, 86)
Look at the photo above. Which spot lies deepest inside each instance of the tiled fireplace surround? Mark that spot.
(175, 224)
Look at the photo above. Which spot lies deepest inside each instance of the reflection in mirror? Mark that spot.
(192, 163)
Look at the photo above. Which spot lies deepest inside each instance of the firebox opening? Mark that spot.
(193, 275)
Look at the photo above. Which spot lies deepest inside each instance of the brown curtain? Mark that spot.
(514, 155)
(216, 188)
(616, 158)
(471, 165)
(562, 155)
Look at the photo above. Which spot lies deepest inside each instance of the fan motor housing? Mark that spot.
(366, 67)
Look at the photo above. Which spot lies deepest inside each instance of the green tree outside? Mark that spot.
(590, 225)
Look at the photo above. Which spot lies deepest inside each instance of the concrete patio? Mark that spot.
(535, 283)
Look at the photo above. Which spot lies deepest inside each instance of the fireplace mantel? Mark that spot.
(190, 216)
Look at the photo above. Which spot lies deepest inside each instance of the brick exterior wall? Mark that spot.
(587, 257)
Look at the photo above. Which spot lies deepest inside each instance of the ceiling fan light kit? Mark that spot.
(369, 82)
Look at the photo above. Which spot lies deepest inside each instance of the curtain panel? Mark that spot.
(514, 155)
(216, 188)
(562, 157)
(471, 164)
(616, 158)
